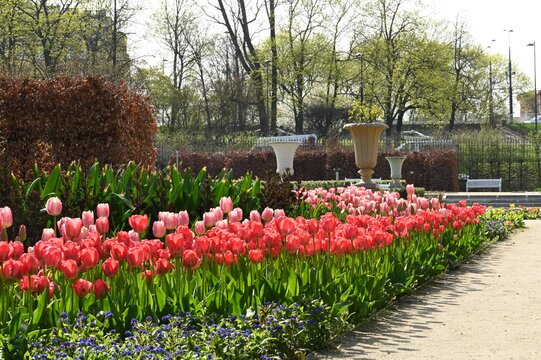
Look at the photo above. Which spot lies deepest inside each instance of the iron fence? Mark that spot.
(517, 161)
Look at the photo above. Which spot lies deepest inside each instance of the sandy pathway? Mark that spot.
(489, 308)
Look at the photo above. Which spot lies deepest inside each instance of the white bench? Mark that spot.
(484, 184)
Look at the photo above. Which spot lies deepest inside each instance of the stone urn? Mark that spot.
(365, 144)
(285, 152)
(395, 162)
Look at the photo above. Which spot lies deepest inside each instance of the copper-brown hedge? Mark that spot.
(67, 119)
(435, 170)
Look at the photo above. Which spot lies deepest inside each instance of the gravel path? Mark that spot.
(489, 308)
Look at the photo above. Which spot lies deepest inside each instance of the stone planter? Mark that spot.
(285, 152)
(365, 144)
(396, 169)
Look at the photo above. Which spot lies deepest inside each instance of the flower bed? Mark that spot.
(351, 252)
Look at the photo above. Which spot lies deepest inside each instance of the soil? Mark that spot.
(487, 308)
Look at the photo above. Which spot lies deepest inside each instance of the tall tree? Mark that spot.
(245, 49)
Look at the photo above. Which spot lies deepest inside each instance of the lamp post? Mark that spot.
(510, 71)
(534, 84)
(490, 87)
(360, 56)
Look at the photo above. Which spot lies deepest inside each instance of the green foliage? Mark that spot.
(128, 190)
(364, 113)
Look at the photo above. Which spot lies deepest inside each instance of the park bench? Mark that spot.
(484, 184)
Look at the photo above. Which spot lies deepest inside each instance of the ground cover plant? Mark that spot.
(345, 253)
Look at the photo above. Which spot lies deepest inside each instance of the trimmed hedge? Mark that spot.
(435, 170)
(65, 119)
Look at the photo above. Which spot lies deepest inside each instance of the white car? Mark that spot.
(531, 120)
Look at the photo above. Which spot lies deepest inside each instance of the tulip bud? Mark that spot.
(22, 233)
(158, 229)
(255, 216)
(267, 214)
(226, 204)
(53, 206)
(199, 227)
(102, 225)
(88, 218)
(183, 218)
(7, 217)
(103, 210)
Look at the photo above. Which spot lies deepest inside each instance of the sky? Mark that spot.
(487, 20)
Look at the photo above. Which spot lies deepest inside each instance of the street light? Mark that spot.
(360, 56)
(534, 84)
(491, 84)
(510, 80)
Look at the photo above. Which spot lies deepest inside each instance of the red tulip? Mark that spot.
(73, 227)
(110, 267)
(101, 288)
(102, 225)
(31, 261)
(52, 256)
(163, 266)
(53, 206)
(190, 259)
(135, 257)
(138, 223)
(5, 251)
(14, 269)
(285, 225)
(82, 287)
(148, 276)
(256, 256)
(90, 257)
(69, 268)
(39, 283)
(119, 251)
(175, 244)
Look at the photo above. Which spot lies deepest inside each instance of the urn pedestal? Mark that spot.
(395, 162)
(365, 144)
(285, 152)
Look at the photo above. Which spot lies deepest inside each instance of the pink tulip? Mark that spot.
(103, 210)
(7, 217)
(278, 213)
(73, 227)
(410, 189)
(134, 236)
(209, 219)
(267, 214)
(255, 216)
(53, 206)
(88, 218)
(200, 227)
(169, 219)
(158, 229)
(226, 204)
(183, 218)
(222, 224)
(47, 234)
(235, 215)
(218, 213)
